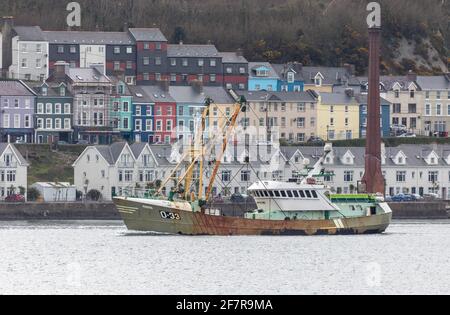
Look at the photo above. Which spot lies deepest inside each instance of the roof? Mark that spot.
(137, 148)
(434, 82)
(52, 90)
(362, 100)
(283, 69)
(258, 96)
(337, 99)
(182, 50)
(254, 65)
(111, 152)
(87, 75)
(331, 75)
(187, 94)
(147, 34)
(95, 38)
(14, 88)
(151, 94)
(30, 33)
(3, 147)
(232, 57)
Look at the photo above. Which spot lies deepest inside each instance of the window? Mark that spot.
(138, 124)
(173, 78)
(129, 65)
(226, 176)
(412, 108)
(185, 62)
(412, 94)
(73, 49)
(428, 109)
(38, 63)
(146, 61)
(149, 125)
(125, 123)
(169, 125)
(159, 125)
(117, 49)
(40, 123)
(433, 176)
(212, 63)
(6, 121)
(116, 65)
(66, 108)
(397, 93)
(158, 46)
(201, 62)
(291, 77)
(438, 95)
(212, 78)
(348, 176)
(301, 122)
(229, 70)
(67, 123)
(146, 76)
(129, 50)
(60, 49)
(48, 108)
(173, 62)
(10, 176)
(57, 123)
(158, 77)
(438, 109)
(57, 108)
(126, 107)
(401, 176)
(24, 63)
(40, 108)
(301, 107)
(27, 121)
(241, 86)
(48, 123)
(158, 61)
(301, 137)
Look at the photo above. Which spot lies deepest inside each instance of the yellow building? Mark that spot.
(326, 79)
(338, 116)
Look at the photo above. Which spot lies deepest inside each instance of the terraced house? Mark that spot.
(436, 106)
(293, 115)
(54, 113)
(338, 116)
(262, 77)
(17, 103)
(121, 112)
(143, 120)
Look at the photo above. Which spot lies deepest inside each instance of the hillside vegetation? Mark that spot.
(329, 32)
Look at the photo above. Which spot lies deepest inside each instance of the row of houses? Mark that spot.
(82, 104)
(121, 169)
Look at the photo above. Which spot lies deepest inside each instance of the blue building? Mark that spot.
(385, 116)
(290, 77)
(142, 115)
(262, 77)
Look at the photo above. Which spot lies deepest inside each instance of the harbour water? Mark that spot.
(413, 257)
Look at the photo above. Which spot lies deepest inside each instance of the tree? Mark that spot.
(94, 195)
(33, 194)
(179, 35)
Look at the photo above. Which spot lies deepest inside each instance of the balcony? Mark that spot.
(126, 164)
(8, 164)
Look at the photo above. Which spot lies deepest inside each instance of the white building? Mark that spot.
(56, 192)
(119, 168)
(13, 171)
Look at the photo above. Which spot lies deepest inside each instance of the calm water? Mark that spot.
(103, 258)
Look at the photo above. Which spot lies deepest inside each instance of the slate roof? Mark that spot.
(187, 94)
(362, 100)
(232, 57)
(30, 33)
(3, 147)
(147, 35)
(14, 88)
(434, 82)
(183, 50)
(337, 99)
(332, 75)
(111, 152)
(93, 38)
(87, 75)
(52, 90)
(258, 96)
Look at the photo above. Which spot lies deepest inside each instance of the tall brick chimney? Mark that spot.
(7, 35)
(373, 179)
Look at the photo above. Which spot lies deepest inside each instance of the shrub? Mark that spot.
(94, 195)
(33, 194)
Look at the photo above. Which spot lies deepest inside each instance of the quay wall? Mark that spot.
(107, 211)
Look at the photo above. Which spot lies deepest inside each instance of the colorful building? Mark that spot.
(291, 77)
(235, 71)
(121, 112)
(262, 77)
(385, 116)
(17, 103)
(338, 116)
(143, 119)
(54, 113)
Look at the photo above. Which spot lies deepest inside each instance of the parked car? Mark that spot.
(407, 135)
(15, 198)
(417, 197)
(402, 198)
(316, 140)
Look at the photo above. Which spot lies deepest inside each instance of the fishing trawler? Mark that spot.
(300, 207)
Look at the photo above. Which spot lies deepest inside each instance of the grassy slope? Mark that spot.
(50, 165)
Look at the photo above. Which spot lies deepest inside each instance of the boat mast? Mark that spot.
(238, 107)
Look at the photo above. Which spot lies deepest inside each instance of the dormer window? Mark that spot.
(291, 77)
(318, 81)
(44, 91)
(397, 93)
(412, 93)
(401, 160)
(262, 72)
(62, 91)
